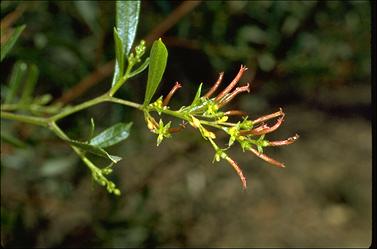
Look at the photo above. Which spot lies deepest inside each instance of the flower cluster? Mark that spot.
(205, 112)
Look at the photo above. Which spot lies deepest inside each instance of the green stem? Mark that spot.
(24, 118)
(55, 128)
(79, 107)
(184, 117)
(117, 85)
(125, 102)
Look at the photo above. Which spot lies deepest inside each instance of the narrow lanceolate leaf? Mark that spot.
(92, 128)
(29, 86)
(18, 72)
(5, 48)
(112, 135)
(127, 18)
(157, 64)
(120, 56)
(197, 95)
(94, 150)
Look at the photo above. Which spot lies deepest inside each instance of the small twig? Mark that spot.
(171, 20)
(13, 16)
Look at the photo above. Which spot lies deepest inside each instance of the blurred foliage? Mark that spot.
(292, 49)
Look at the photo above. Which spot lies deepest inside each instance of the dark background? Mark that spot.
(312, 58)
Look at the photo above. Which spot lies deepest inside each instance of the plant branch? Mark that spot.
(79, 107)
(125, 102)
(106, 69)
(24, 118)
(58, 132)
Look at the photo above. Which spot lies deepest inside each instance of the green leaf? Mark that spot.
(197, 95)
(139, 69)
(94, 150)
(18, 73)
(5, 48)
(89, 12)
(29, 86)
(92, 128)
(127, 18)
(43, 99)
(119, 53)
(158, 58)
(112, 135)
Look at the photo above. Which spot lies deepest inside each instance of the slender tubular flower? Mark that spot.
(232, 84)
(204, 113)
(178, 129)
(269, 116)
(264, 129)
(287, 141)
(235, 113)
(215, 86)
(238, 170)
(267, 159)
(233, 94)
(171, 93)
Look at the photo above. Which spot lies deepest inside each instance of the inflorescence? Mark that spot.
(205, 111)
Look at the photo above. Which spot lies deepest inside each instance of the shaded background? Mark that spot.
(311, 58)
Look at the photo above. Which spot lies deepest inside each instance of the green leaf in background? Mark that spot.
(56, 166)
(89, 12)
(127, 18)
(157, 64)
(29, 85)
(18, 72)
(5, 48)
(112, 135)
(9, 138)
(94, 150)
